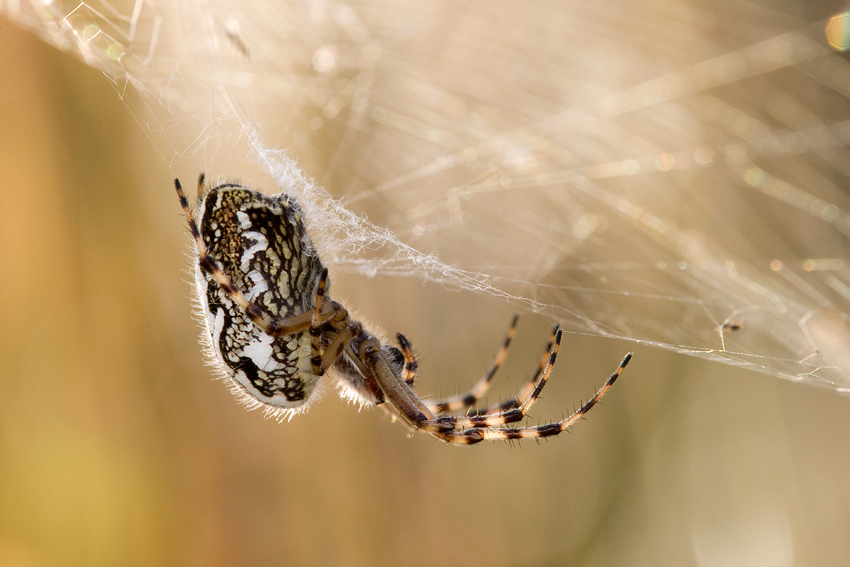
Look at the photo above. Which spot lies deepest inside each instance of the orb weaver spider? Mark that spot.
(273, 330)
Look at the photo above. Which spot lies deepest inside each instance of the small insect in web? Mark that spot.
(231, 30)
(273, 330)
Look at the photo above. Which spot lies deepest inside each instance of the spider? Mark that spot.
(273, 330)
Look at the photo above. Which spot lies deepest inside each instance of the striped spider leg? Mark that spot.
(273, 330)
(487, 423)
(470, 398)
(462, 401)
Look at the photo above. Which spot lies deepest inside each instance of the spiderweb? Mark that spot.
(668, 172)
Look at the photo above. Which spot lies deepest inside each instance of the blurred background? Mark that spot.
(118, 447)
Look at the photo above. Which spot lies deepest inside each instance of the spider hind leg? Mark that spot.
(488, 426)
(461, 401)
(524, 400)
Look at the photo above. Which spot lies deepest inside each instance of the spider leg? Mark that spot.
(468, 399)
(477, 434)
(318, 360)
(258, 315)
(402, 398)
(396, 390)
(200, 191)
(404, 401)
(469, 430)
(321, 362)
(539, 431)
(526, 390)
(524, 401)
(320, 299)
(410, 364)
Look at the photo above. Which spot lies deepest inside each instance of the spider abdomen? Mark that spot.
(260, 243)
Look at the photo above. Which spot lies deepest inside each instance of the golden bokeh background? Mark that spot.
(117, 447)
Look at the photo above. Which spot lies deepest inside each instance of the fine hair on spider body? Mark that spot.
(274, 331)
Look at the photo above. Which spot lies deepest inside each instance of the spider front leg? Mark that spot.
(321, 361)
(469, 399)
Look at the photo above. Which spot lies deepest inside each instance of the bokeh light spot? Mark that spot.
(704, 155)
(838, 31)
(114, 52)
(665, 162)
(754, 176)
(325, 58)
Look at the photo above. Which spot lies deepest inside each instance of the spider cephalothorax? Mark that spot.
(272, 328)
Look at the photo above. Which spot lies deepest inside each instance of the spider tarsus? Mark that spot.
(179, 188)
(619, 370)
(402, 341)
(409, 358)
(323, 280)
(558, 333)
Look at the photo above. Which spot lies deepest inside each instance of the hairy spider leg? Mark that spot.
(476, 392)
(550, 429)
(481, 433)
(461, 401)
(525, 391)
(321, 362)
(410, 364)
(466, 431)
(517, 408)
(511, 415)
